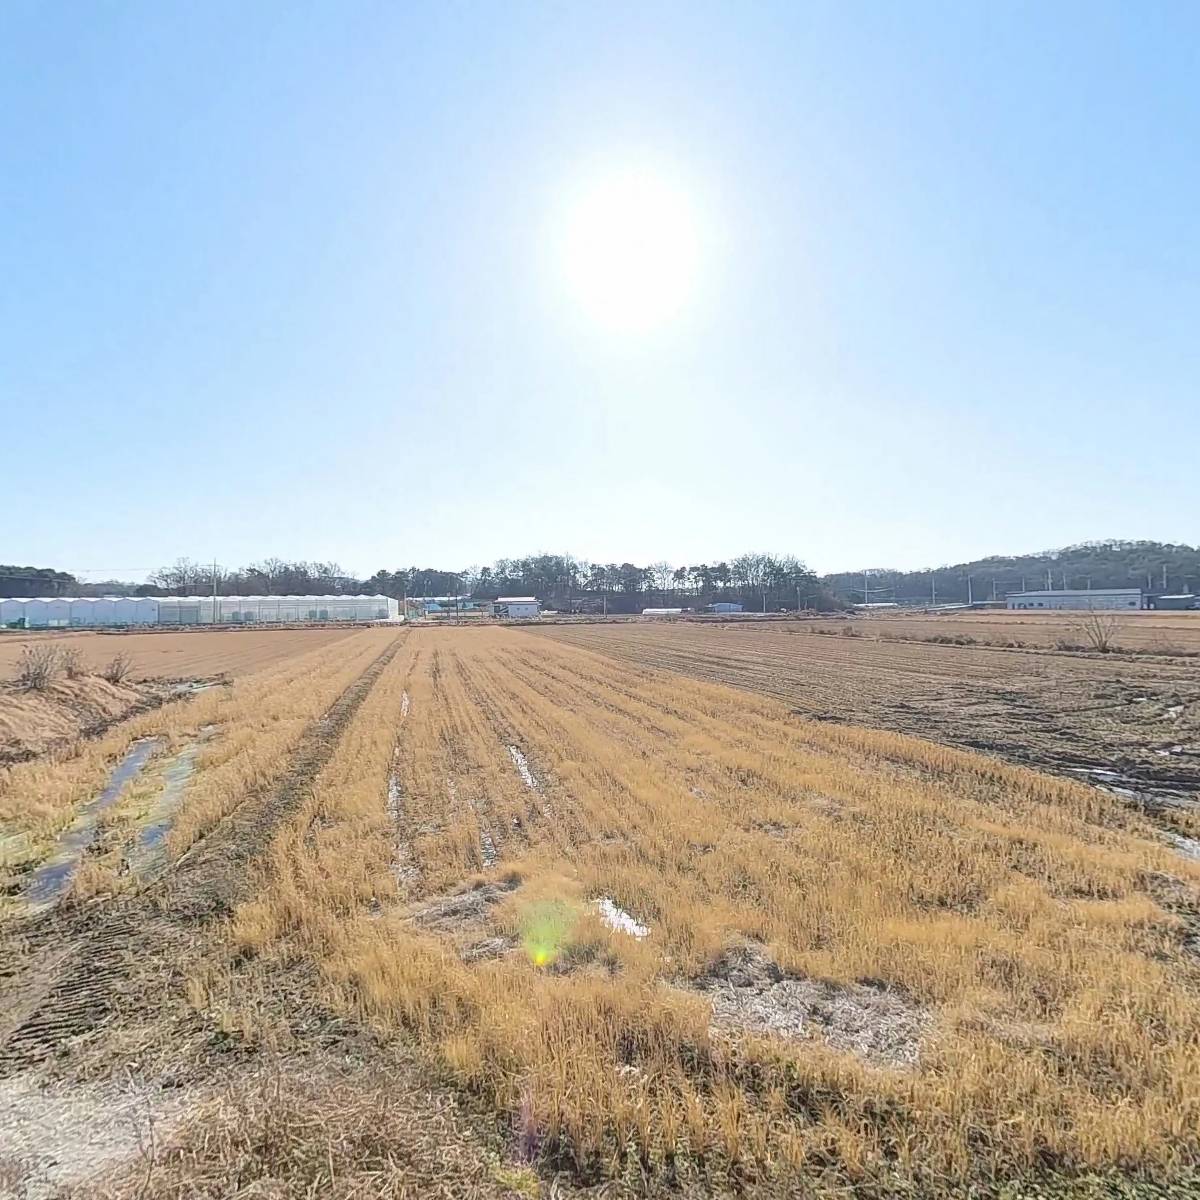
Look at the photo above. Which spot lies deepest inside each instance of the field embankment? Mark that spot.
(36, 722)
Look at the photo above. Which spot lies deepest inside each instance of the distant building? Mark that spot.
(438, 606)
(1176, 603)
(1095, 598)
(56, 612)
(661, 612)
(518, 608)
(724, 606)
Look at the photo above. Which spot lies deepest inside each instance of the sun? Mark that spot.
(629, 248)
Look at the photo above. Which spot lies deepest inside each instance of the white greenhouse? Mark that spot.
(109, 611)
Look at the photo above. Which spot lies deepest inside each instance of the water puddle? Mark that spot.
(1152, 799)
(193, 687)
(522, 765)
(148, 852)
(487, 844)
(1188, 847)
(487, 848)
(50, 882)
(403, 868)
(618, 919)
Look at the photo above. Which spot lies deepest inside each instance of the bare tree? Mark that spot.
(663, 575)
(38, 667)
(1099, 630)
(118, 668)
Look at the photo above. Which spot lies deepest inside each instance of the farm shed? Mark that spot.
(517, 607)
(661, 612)
(1095, 598)
(725, 606)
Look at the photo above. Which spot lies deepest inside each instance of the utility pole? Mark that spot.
(969, 600)
(993, 589)
(214, 608)
(1049, 581)
(932, 589)
(1164, 578)
(604, 602)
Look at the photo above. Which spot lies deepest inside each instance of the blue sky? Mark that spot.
(282, 279)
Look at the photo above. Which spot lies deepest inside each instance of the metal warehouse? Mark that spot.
(1094, 598)
(91, 612)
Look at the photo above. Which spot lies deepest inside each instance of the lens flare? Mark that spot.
(546, 928)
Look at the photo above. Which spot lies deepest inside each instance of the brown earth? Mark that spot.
(1150, 632)
(1138, 717)
(192, 655)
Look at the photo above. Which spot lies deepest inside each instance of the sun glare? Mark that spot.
(630, 250)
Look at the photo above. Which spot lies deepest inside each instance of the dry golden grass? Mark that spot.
(1020, 912)
(32, 722)
(258, 721)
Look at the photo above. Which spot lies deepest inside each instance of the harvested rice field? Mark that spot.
(1165, 633)
(1125, 721)
(200, 653)
(480, 912)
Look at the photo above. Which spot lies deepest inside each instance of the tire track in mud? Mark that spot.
(102, 952)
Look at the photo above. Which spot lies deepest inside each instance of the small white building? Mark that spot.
(1122, 599)
(518, 608)
(661, 612)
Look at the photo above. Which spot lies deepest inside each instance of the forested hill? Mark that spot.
(1090, 564)
(34, 581)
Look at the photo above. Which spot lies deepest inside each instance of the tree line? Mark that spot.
(757, 581)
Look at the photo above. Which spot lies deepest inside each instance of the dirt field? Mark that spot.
(1155, 632)
(481, 913)
(191, 655)
(1136, 718)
